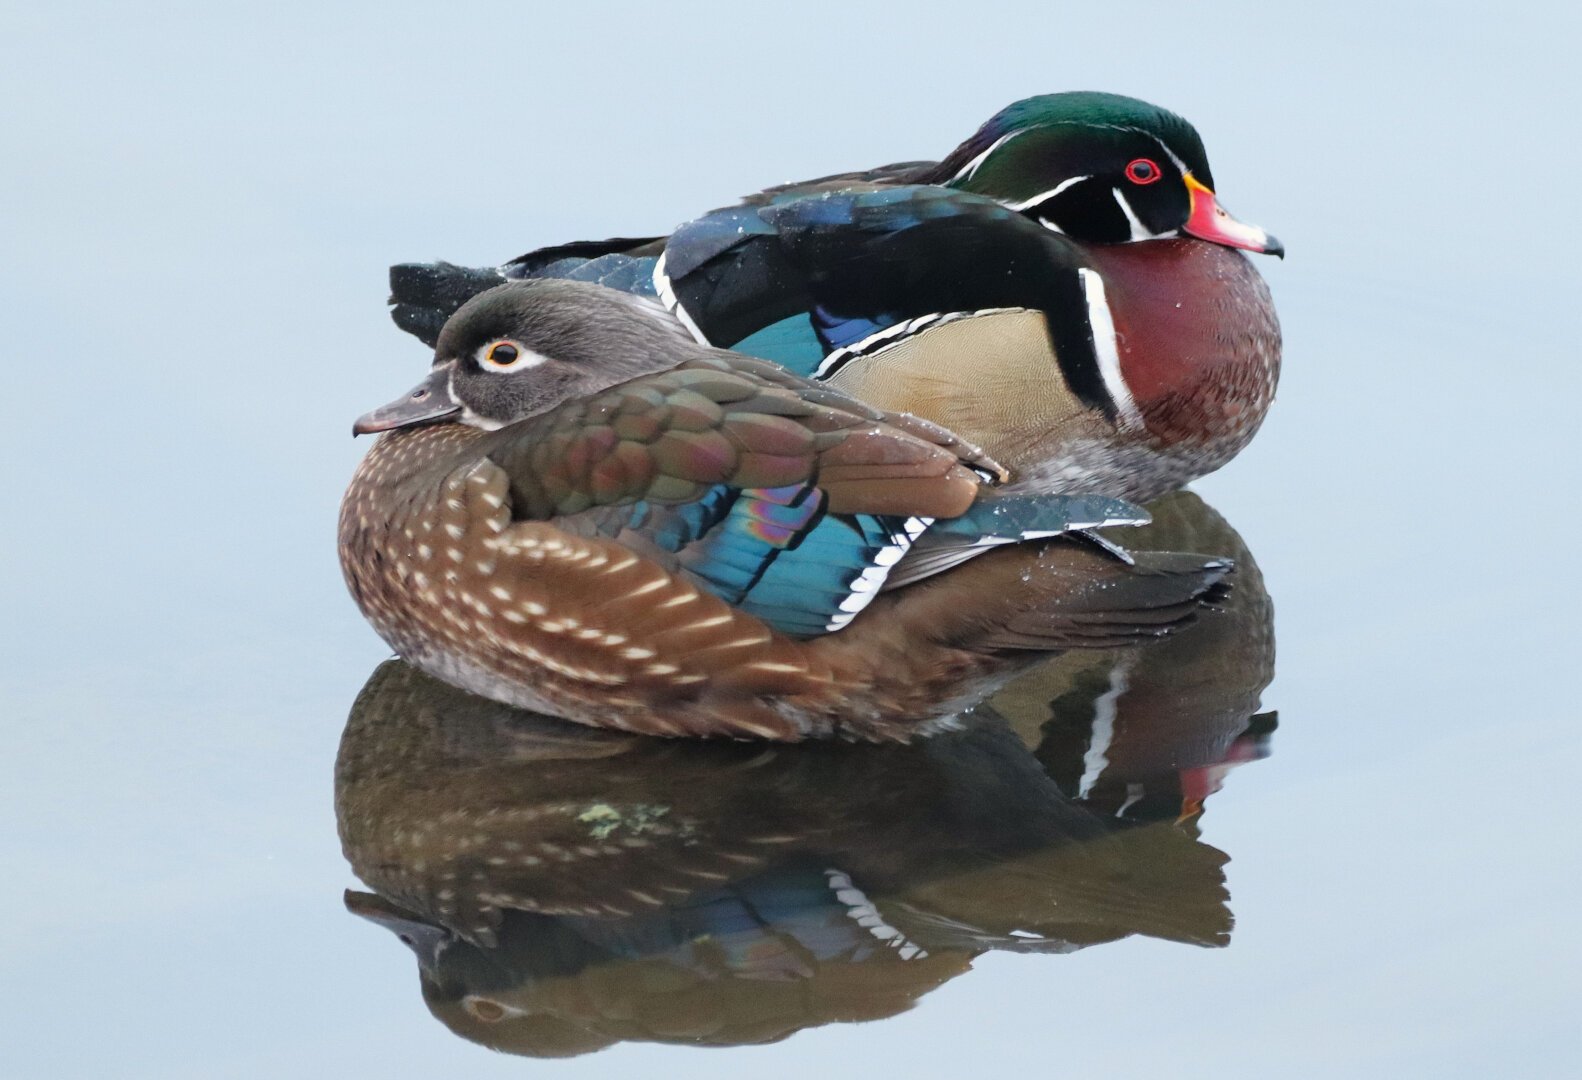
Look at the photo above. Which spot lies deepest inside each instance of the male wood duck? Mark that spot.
(1105, 335)
(564, 889)
(584, 512)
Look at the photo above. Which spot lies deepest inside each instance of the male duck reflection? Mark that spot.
(566, 889)
(1092, 325)
(583, 512)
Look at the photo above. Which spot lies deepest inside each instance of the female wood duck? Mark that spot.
(583, 512)
(1106, 336)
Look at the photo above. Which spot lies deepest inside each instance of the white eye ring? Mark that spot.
(505, 355)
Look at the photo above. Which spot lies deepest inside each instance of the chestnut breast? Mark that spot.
(1198, 339)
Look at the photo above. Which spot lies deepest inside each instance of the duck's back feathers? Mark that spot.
(899, 172)
(668, 438)
(787, 500)
(921, 300)
(535, 261)
(849, 265)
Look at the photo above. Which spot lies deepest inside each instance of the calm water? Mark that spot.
(199, 208)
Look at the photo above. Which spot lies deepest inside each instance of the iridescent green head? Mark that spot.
(1098, 167)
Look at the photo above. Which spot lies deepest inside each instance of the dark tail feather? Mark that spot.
(994, 520)
(1055, 594)
(424, 295)
(1106, 603)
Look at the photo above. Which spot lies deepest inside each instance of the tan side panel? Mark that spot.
(991, 378)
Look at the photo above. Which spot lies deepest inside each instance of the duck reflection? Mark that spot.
(566, 888)
(1149, 732)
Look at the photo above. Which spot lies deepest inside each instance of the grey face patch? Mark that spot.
(572, 340)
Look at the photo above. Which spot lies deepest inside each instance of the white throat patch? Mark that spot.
(1139, 230)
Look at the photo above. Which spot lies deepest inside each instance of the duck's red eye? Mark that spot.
(1143, 171)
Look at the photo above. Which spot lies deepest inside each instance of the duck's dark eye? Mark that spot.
(1142, 171)
(505, 356)
(488, 1011)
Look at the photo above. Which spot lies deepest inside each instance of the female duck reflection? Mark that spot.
(565, 889)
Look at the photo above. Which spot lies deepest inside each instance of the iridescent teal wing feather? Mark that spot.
(784, 498)
(780, 557)
(778, 554)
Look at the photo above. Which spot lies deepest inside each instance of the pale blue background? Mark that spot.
(199, 203)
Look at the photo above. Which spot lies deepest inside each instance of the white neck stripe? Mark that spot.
(1102, 734)
(1173, 156)
(1106, 351)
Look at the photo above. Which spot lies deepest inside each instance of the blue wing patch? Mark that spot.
(792, 343)
(775, 554)
(842, 331)
(674, 527)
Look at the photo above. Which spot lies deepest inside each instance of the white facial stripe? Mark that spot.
(1169, 152)
(1106, 351)
(1046, 195)
(969, 170)
(667, 296)
(972, 166)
